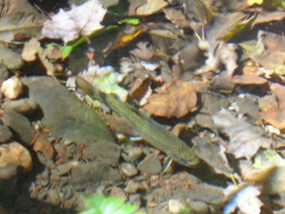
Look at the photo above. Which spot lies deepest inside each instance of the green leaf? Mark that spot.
(66, 51)
(96, 204)
(267, 157)
(109, 84)
(130, 21)
(238, 28)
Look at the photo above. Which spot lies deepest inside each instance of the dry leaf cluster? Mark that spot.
(214, 73)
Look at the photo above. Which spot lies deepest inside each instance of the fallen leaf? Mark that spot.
(275, 115)
(140, 90)
(272, 5)
(228, 57)
(144, 51)
(270, 159)
(201, 9)
(268, 51)
(268, 103)
(12, 27)
(249, 79)
(272, 16)
(227, 27)
(42, 145)
(267, 170)
(80, 20)
(246, 200)
(190, 57)
(124, 38)
(174, 100)
(245, 139)
(223, 54)
(104, 78)
(212, 152)
(239, 27)
(19, 21)
(252, 2)
(151, 7)
(177, 17)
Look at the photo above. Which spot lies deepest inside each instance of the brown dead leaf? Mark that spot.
(276, 116)
(269, 52)
(150, 7)
(19, 21)
(141, 90)
(249, 79)
(265, 17)
(245, 139)
(42, 145)
(267, 170)
(201, 9)
(174, 100)
(221, 27)
(178, 128)
(246, 200)
(124, 38)
(177, 17)
(212, 151)
(143, 51)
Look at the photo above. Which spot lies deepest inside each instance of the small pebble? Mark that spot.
(12, 88)
(118, 193)
(23, 106)
(203, 45)
(54, 177)
(94, 172)
(65, 168)
(106, 151)
(199, 207)
(132, 154)
(20, 125)
(144, 185)
(175, 206)
(5, 134)
(132, 187)
(151, 204)
(53, 197)
(3, 211)
(8, 172)
(135, 153)
(128, 169)
(150, 165)
(135, 199)
(71, 202)
(42, 195)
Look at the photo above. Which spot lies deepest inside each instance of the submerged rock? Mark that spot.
(63, 114)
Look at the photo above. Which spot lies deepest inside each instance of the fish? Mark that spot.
(151, 131)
